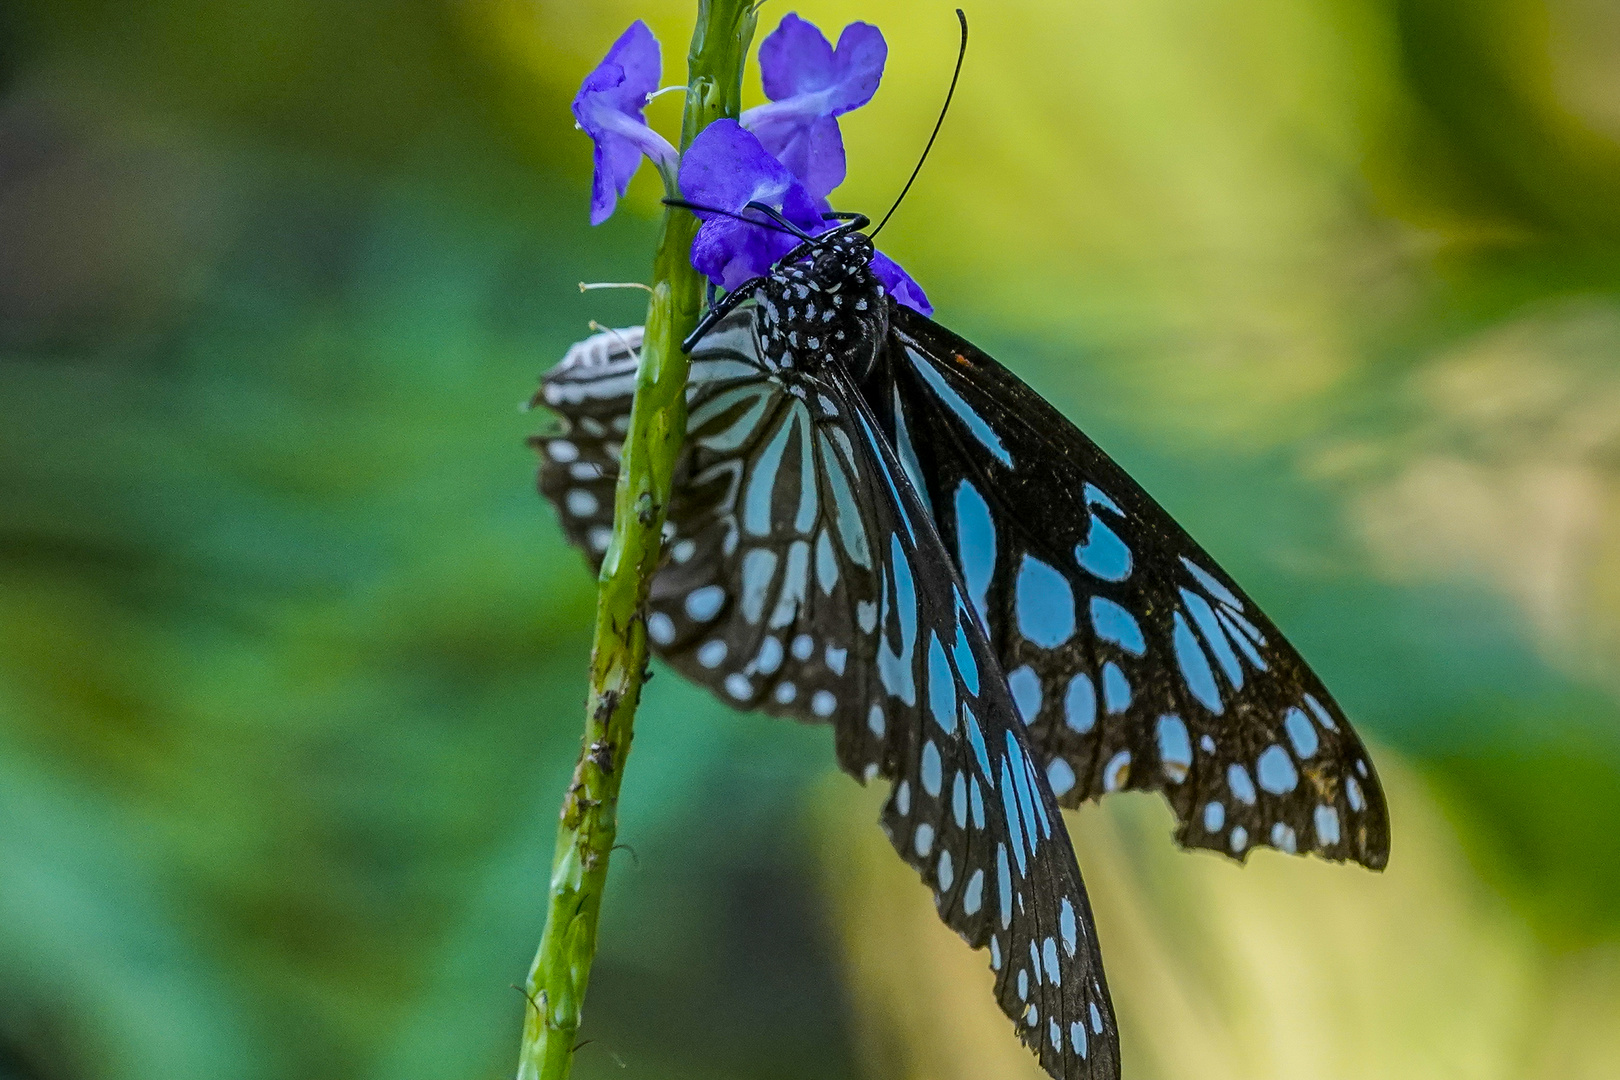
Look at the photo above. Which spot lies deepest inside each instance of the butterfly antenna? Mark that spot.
(793, 230)
(961, 53)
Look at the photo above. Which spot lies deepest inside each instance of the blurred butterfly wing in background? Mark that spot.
(806, 579)
(1136, 662)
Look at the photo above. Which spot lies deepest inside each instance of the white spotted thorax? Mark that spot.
(825, 308)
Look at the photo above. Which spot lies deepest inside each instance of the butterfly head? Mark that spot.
(824, 306)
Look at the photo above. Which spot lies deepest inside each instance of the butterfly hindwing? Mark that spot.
(1134, 659)
(801, 557)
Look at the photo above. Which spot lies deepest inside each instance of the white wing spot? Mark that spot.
(581, 503)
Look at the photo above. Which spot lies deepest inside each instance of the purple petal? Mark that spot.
(636, 53)
(901, 285)
(810, 84)
(809, 145)
(727, 168)
(609, 108)
(794, 59)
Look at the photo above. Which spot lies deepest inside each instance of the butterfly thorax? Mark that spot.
(825, 307)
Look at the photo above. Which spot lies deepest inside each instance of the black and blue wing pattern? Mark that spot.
(1134, 659)
(806, 578)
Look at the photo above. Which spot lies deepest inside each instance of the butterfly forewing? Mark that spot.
(1135, 660)
(806, 578)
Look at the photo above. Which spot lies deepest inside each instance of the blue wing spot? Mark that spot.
(1194, 666)
(826, 563)
(1352, 792)
(1004, 880)
(758, 570)
(976, 424)
(1104, 554)
(1095, 496)
(975, 544)
(962, 653)
(1241, 639)
(1026, 691)
(1045, 604)
(1059, 777)
(1214, 817)
(1024, 782)
(930, 771)
(1277, 773)
(976, 802)
(1116, 688)
(1237, 779)
(1080, 704)
(704, 604)
(1300, 732)
(1175, 748)
(973, 895)
(1077, 1038)
(1114, 623)
(1010, 792)
(941, 687)
(762, 484)
(959, 807)
(1066, 926)
(1283, 838)
(895, 669)
(1215, 635)
(1327, 825)
(1323, 717)
(976, 740)
(1211, 586)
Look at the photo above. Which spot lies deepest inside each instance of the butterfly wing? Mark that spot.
(1135, 660)
(793, 521)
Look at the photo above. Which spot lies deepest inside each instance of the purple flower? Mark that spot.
(609, 108)
(901, 285)
(810, 84)
(726, 167)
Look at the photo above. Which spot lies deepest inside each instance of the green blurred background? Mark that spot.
(292, 657)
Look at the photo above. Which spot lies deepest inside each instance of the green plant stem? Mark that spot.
(588, 825)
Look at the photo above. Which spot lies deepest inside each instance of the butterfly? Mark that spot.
(877, 526)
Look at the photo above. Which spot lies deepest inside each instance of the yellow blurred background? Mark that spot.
(292, 657)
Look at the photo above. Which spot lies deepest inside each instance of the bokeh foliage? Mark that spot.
(292, 658)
